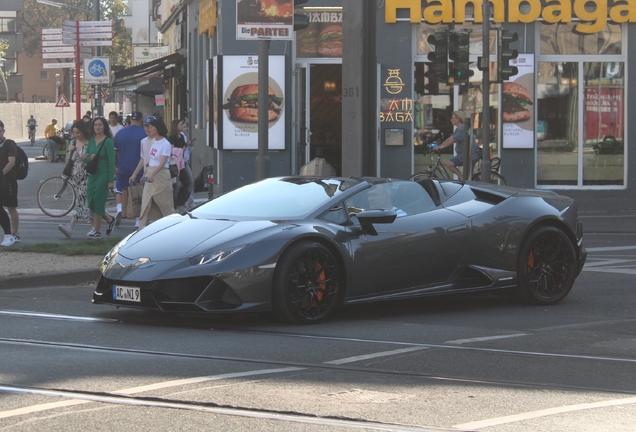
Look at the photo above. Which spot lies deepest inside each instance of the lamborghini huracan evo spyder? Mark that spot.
(301, 246)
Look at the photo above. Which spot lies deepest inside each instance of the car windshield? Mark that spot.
(275, 199)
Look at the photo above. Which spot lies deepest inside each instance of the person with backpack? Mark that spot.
(8, 190)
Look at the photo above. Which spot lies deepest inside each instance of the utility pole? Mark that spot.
(485, 118)
(97, 88)
(263, 164)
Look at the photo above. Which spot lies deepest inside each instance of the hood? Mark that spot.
(180, 237)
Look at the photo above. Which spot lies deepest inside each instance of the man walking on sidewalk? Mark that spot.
(8, 189)
(127, 155)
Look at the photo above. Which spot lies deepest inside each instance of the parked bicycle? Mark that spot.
(438, 170)
(56, 196)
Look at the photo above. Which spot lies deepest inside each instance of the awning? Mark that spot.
(136, 77)
(154, 87)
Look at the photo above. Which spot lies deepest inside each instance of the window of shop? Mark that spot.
(581, 107)
(433, 105)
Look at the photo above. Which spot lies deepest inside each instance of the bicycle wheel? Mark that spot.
(495, 178)
(56, 197)
(421, 175)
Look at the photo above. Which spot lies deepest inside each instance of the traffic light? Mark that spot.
(439, 57)
(459, 53)
(505, 54)
(301, 21)
(432, 85)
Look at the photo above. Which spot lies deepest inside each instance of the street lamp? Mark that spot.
(6, 87)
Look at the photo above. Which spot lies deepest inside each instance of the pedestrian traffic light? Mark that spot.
(439, 56)
(505, 54)
(459, 53)
(301, 21)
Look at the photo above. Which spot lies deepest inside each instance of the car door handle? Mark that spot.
(456, 228)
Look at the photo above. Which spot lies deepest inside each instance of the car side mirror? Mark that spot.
(369, 217)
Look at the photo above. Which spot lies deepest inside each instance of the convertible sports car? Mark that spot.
(302, 246)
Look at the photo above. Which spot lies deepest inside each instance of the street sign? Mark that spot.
(70, 41)
(62, 102)
(90, 94)
(95, 35)
(95, 29)
(93, 23)
(61, 65)
(58, 55)
(51, 31)
(46, 37)
(59, 49)
(96, 43)
(51, 43)
(70, 29)
(97, 71)
(85, 56)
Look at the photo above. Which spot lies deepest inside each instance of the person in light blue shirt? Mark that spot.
(380, 199)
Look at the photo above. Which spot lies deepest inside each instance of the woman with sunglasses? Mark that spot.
(100, 146)
(157, 181)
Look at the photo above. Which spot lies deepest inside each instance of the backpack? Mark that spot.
(21, 164)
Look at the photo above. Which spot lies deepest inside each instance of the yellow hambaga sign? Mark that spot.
(592, 14)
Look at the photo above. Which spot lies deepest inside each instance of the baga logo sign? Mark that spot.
(593, 14)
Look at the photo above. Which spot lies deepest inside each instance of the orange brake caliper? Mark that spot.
(321, 277)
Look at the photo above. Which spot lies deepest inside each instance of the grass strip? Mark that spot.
(83, 247)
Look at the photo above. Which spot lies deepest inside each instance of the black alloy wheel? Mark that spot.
(307, 284)
(546, 267)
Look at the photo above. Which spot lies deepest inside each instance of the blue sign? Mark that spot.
(97, 68)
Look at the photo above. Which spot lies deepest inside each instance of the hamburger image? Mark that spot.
(515, 99)
(307, 41)
(243, 104)
(330, 41)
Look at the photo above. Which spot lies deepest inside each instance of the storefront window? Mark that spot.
(323, 37)
(557, 123)
(604, 114)
(562, 39)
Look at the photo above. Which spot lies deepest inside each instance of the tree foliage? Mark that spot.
(36, 16)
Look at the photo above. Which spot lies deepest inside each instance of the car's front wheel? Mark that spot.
(307, 284)
(546, 267)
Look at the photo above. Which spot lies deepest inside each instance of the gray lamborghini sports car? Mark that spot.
(301, 246)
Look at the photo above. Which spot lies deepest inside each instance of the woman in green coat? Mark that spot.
(99, 184)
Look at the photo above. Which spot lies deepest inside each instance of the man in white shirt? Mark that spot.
(113, 123)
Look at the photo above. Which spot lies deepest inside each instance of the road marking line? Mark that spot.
(606, 262)
(56, 316)
(485, 338)
(609, 249)
(611, 270)
(375, 355)
(542, 413)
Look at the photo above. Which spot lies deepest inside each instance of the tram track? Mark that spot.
(334, 366)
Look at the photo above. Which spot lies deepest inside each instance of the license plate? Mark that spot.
(121, 292)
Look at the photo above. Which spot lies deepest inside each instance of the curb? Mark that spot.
(72, 277)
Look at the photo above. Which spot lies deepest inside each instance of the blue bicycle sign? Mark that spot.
(97, 70)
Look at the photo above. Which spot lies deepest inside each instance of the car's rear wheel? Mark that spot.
(546, 268)
(307, 284)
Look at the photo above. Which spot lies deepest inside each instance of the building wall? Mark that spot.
(36, 89)
(15, 116)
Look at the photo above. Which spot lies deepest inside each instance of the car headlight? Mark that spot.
(215, 257)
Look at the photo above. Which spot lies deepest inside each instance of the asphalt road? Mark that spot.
(475, 362)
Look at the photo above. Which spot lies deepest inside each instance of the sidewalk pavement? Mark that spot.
(33, 270)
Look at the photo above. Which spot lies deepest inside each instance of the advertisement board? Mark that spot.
(235, 112)
(517, 109)
(264, 19)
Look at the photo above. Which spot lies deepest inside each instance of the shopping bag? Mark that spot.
(134, 200)
(124, 203)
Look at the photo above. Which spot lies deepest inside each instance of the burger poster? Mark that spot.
(322, 38)
(518, 105)
(238, 102)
